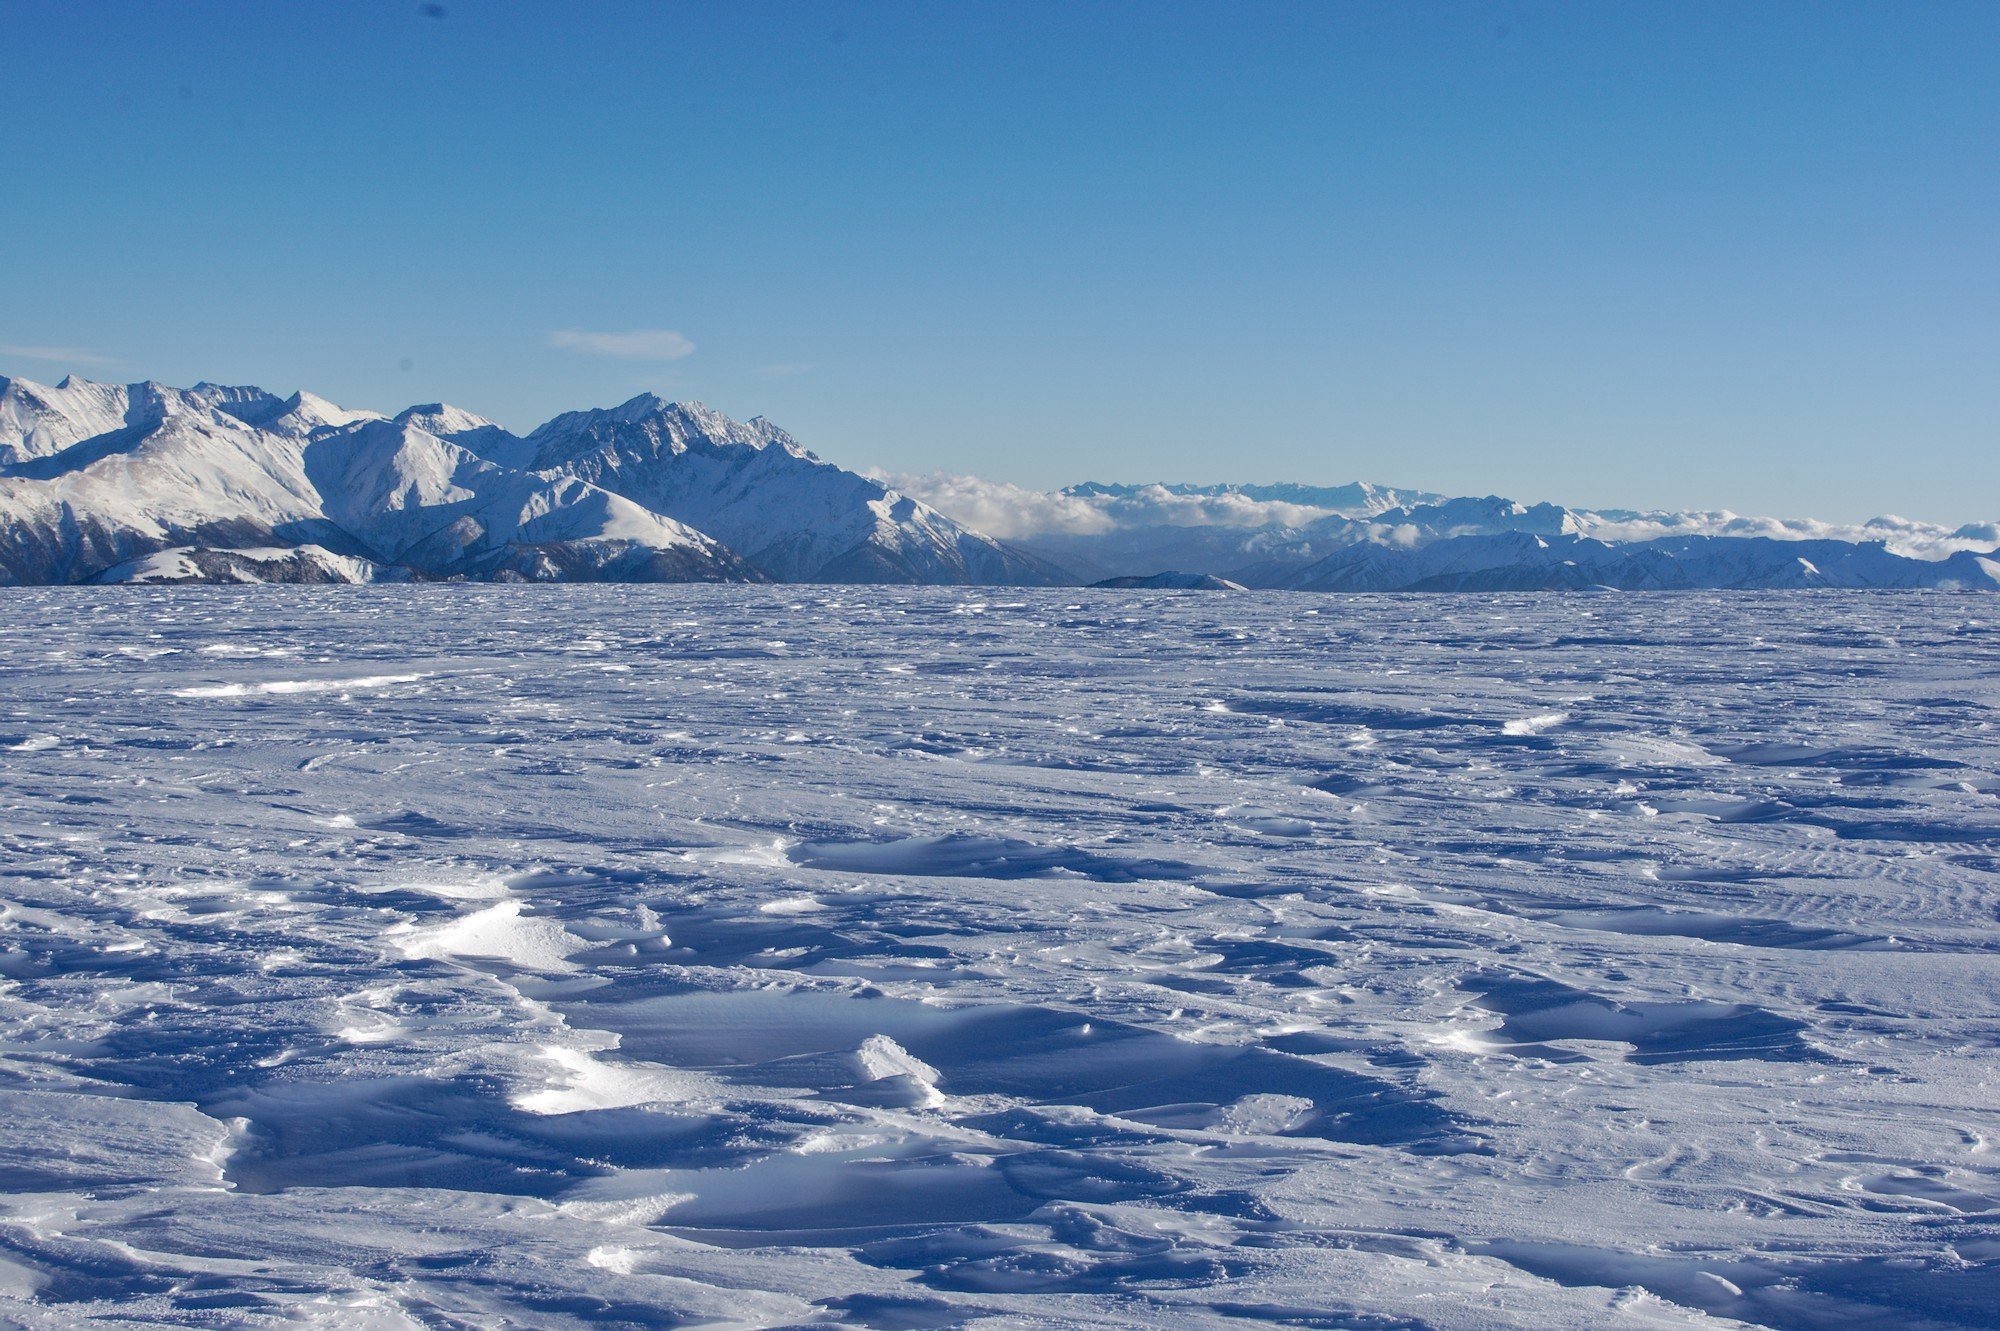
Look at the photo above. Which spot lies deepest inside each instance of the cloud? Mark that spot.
(635, 344)
(1015, 512)
(999, 508)
(63, 355)
(1903, 536)
(1157, 506)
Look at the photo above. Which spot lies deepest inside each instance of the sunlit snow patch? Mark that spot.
(499, 931)
(295, 686)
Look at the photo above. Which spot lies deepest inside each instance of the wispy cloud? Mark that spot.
(60, 355)
(634, 344)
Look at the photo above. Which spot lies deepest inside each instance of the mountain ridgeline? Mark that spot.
(114, 483)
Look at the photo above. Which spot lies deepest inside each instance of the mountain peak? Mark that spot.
(649, 404)
(303, 412)
(443, 420)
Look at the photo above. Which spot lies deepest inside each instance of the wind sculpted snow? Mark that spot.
(775, 957)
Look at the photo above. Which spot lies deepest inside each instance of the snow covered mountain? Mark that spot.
(1364, 537)
(1356, 499)
(142, 481)
(425, 503)
(753, 486)
(1523, 561)
(101, 477)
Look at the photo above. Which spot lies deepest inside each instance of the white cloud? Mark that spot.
(62, 355)
(1009, 511)
(634, 344)
(1157, 506)
(1903, 536)
(999, 508)
(1014, 512)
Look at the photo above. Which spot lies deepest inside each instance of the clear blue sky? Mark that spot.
(1672, 254)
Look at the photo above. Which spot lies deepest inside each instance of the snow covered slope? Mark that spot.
(752, 486)
(416, 500)
(634, 958)
(180, 473)
(37, 421)
(283, 564)
(215, 469)
(94, 476)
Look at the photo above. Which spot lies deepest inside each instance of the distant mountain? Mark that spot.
(1356, 499)
(216, 483)
(1172, 581)
(752, 486)
(1522, 561)
(151, 483)
(1364, 537)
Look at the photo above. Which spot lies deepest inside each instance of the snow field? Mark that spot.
(898, 958)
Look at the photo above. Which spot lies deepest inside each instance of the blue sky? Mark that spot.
(1674, 254)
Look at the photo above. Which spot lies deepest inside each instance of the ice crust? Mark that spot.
(395, 957)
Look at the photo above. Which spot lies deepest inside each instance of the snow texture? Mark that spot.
(453, 956)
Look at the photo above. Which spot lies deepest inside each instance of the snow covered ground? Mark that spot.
(752, 957)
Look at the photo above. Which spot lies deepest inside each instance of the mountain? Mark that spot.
(1371, 538)
(415, 500)
(1523, 561)
(1173, 581)
(103, 474)
(189, 471)
(218, 483)
(1232, 532)
(752, 486)
(147, 482)
(1356, 499)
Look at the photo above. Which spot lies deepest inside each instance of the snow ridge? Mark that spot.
(219, 483)
(142, 482)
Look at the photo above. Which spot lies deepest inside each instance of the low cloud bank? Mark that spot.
(1903, 536)
(1014, 512)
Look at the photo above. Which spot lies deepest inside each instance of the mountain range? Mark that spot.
(141, 482)
(110, 483)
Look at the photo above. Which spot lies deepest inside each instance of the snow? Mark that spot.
(147, 483)
(239, 689)
(301, 563)
(1271, 535)
(326, 495)
(752, 487)
(144, 482)
(915, 957)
